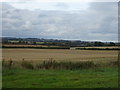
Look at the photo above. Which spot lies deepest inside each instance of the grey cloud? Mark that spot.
(98, 22)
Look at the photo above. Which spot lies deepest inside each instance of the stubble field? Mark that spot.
(58, 55)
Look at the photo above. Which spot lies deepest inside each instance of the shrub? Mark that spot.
(65, 65)
(7, 64)
(27, 65)
(114, 63)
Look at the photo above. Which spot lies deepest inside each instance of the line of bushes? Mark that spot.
(52, 64)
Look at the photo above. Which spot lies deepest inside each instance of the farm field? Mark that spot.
(58, 55)
(67, 71)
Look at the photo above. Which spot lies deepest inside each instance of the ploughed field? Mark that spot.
(59, 55)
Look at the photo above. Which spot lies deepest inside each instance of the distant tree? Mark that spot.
(98, 44)
(5, 42)
(34, 43)
(111, 44)
(20, 41)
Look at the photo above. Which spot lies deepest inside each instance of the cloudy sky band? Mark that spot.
(91, 21)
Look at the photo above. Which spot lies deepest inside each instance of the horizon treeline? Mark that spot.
(55, 42)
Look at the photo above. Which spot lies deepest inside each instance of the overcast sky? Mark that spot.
(61, 20)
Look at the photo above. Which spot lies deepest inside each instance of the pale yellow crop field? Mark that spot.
(99, 47)
(58, 55)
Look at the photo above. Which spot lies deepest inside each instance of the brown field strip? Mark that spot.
(23, 45)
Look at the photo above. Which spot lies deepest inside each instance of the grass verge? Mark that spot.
(84, 78)
(52, 74)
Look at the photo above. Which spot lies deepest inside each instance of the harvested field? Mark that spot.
(58, 55)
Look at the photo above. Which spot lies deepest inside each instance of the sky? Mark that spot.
(88, 21)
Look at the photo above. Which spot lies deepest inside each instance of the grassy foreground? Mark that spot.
(103, 77)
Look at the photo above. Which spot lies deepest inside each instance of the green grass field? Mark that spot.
(106, 77)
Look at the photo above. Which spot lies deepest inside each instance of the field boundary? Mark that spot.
(60, 48)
